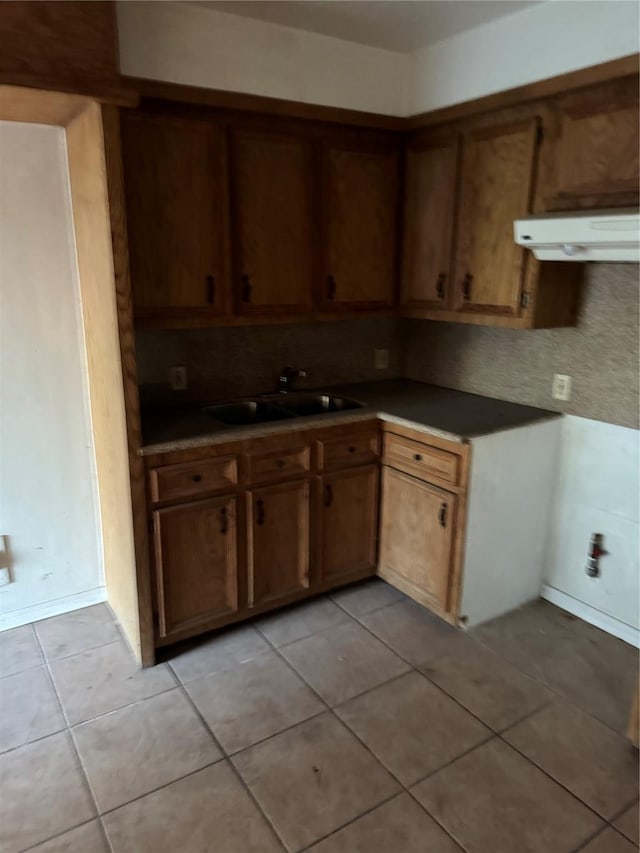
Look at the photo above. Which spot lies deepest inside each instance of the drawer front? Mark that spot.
(264, 467)
(421, 460)
(193, 478)
(356, 449)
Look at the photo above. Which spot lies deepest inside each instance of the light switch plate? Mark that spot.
(561, 388)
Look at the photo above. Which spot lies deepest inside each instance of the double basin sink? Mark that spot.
(279, 407)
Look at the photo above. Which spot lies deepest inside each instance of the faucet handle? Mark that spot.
(287, 375)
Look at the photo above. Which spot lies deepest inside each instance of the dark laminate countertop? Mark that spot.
(449, 414)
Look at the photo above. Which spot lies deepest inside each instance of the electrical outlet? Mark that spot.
(178, 378)
(5, 577)
(561, 388)
(381, 359)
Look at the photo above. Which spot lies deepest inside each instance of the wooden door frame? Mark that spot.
(95, 176)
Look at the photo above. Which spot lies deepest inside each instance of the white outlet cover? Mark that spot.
(561, 388)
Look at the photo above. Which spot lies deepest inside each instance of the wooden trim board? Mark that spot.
(222, 99)
(92, 225)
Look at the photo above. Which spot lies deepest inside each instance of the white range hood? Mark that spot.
(590, 235)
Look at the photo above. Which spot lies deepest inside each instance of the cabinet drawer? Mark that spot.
(421, 460)
(356, 449)
(192, 478)
(263, 467)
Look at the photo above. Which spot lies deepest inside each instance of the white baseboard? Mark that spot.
(15, 618)
(591, 615)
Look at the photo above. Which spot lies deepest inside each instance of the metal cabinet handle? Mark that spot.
(196, 478)
(331, 288)
(328, 495)
(442, 514)
(440, 285)
(467, 281)
(260, 512)
(417, 457)
(246, 288)
(211, 289)
(224, 520)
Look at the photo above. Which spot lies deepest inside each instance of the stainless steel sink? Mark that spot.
(302, 405)
(247, 412)
(278, 407)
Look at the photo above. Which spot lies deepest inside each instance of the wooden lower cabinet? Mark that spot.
(278, 541)
(416, 537)
(348, 522)
(196, 562)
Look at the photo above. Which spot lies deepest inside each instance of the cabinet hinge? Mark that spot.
(524, 300)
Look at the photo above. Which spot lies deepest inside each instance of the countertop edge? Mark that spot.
(361, 416)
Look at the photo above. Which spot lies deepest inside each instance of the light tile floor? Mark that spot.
(355, 723)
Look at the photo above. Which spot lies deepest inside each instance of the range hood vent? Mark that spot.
(590, 235)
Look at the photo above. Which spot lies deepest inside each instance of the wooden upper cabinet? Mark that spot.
(430, 189)
(72, 47)
(278, 541)
(272, 195)
(496, 186)
(359, 198)
(176, 195)
(597, 148)
(196, 563)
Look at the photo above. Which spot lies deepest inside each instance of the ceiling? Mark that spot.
(400, 25)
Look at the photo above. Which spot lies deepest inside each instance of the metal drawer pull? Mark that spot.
(466, 286)
(328, 495)
(260, 512)
(246, 288)
(224, 520)
(196, 478)
(211, 289)
(417, 457)
(331, 288)
(442, 515)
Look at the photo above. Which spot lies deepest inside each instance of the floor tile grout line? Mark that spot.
(70, 738)
(331, 710)
(439, 822)
(496, 733)
(539, 680)
(333, 832)
(228, 759)
(57, 835)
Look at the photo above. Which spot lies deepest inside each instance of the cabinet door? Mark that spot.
(416, 535)
(498, 168)
(597, 148)
(196, 563)
(349, 523)
(278, 541)
(272, 201)
(359, 228)
(175, 183)
(430, 188)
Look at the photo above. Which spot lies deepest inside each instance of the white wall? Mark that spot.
(597, 491)
(184, 43)
(48, 494)
(542, 41)
(194, 45)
